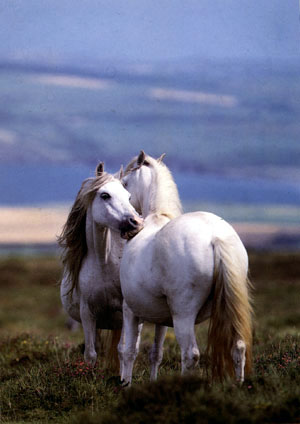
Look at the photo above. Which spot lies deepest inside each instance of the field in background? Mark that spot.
(259, 226)
(43, 377)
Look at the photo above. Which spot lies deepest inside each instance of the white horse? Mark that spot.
(90, 289)
(181, 270)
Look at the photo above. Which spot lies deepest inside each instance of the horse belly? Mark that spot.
(148, 306)
(70, 301)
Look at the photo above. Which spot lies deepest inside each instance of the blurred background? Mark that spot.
(214, 85)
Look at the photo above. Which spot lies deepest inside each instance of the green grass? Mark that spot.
(43, 377)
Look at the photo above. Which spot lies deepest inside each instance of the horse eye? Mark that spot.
(105, 196)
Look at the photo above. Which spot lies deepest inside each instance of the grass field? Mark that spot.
(43, 377)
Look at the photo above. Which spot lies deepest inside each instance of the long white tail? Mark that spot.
(231, 317)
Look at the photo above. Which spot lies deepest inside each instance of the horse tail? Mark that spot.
(231, 316)
(109, 349)
(113, 350)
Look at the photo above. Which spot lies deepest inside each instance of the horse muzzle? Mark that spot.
(131, 226)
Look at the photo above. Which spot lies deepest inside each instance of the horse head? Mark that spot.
(139, 178)
(111, 205)
(152, 186)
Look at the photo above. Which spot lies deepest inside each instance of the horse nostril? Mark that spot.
(130, 226)
(133, 222)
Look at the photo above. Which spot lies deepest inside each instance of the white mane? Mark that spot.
(164, 198)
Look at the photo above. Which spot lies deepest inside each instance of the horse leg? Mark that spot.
(72, 325)
(156, 352)
(138, 340)
(185, 334)
(128, 350)
(122, 344)
(121, 351)
(89, 329)
(239, 359)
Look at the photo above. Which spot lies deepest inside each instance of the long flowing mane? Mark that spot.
(164, 197)
(73, 237)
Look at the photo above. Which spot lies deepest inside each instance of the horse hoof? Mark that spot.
(125, 384)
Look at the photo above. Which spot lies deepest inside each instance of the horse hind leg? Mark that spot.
(72, 325)
(156, 352)
(239, 359)
(185, 334)
(121, 351)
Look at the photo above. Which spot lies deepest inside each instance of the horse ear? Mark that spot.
(141, 159)
(120, 174)
(100, 169)
(161, 158)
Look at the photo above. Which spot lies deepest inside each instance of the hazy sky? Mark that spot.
(143, 30)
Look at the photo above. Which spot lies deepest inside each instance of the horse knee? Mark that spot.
(90, 356)
(190, 360)
(239, 352)
(129, 355)
(120, 350)
(195, 356)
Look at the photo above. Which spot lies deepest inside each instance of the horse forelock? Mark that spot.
(73, 237)
(90, 186)
(164, 197)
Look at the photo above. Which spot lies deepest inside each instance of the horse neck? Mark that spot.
(146, 203)
(105, 245)
(158, 202)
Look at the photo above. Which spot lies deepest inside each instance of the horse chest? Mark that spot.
(103, 297)
(105, 304)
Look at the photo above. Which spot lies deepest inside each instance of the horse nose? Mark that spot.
(133, 221)
(136, 221)
(131, 226)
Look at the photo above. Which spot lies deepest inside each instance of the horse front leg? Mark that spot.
(89, 328)
(129, 343)
(122, 344)
(156, 352)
